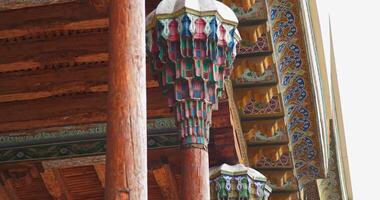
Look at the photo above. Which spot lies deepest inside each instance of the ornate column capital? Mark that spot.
(193, 46)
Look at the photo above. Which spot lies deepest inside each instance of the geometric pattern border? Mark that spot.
(76, 141)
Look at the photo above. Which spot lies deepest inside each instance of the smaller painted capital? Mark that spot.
(238, 182)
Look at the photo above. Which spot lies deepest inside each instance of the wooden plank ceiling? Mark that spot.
(53, 73)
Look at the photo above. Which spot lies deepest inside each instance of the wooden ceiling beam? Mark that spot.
(166, 181)
(17, 4)
(73, 162)
(48, 52)
(48, 30)
(29, 65)
(71, 109)
(55, 184)
(29, 85)
(53, 112)
(76, 15)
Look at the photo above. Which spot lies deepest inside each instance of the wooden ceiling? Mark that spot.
(53, 73)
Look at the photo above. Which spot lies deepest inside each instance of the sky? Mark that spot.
(356, 35)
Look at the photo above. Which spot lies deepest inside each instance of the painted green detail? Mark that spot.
(244, 191)
(161, 125)
(52, 135)
(75, 141)
(50, 151)
(221, 191)
(75, 133)
(238, 182)
(163, 140)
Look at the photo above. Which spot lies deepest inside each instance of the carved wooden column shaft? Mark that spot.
(126, 158)
(195, 174)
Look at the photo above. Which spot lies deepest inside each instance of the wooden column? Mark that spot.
(195, 174)
(126, 158)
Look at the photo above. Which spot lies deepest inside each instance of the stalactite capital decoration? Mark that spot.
(192, 44)
(238, 182)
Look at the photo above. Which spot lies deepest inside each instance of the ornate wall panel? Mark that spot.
(296, 88)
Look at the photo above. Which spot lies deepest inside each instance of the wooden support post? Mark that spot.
(126, 158)
(195, 174)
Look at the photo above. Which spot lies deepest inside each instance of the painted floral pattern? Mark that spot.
(295, 84)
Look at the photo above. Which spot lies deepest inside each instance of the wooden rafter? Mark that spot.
(63, 61)
(74, 16)
(55, 184)
(68, 26)
(166, 181)
(88, 78)
(52, 83)
(63, 110)
(75, 109)
(73, 162)
(48, 52)
(96, 161)
(17, 4)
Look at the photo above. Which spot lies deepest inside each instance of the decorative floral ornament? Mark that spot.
(193, 45)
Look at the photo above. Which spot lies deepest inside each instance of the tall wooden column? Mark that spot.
(195, 174)
(126, 158)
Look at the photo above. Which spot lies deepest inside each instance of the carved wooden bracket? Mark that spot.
(55, 184)
(166, 181)
(100, 171)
